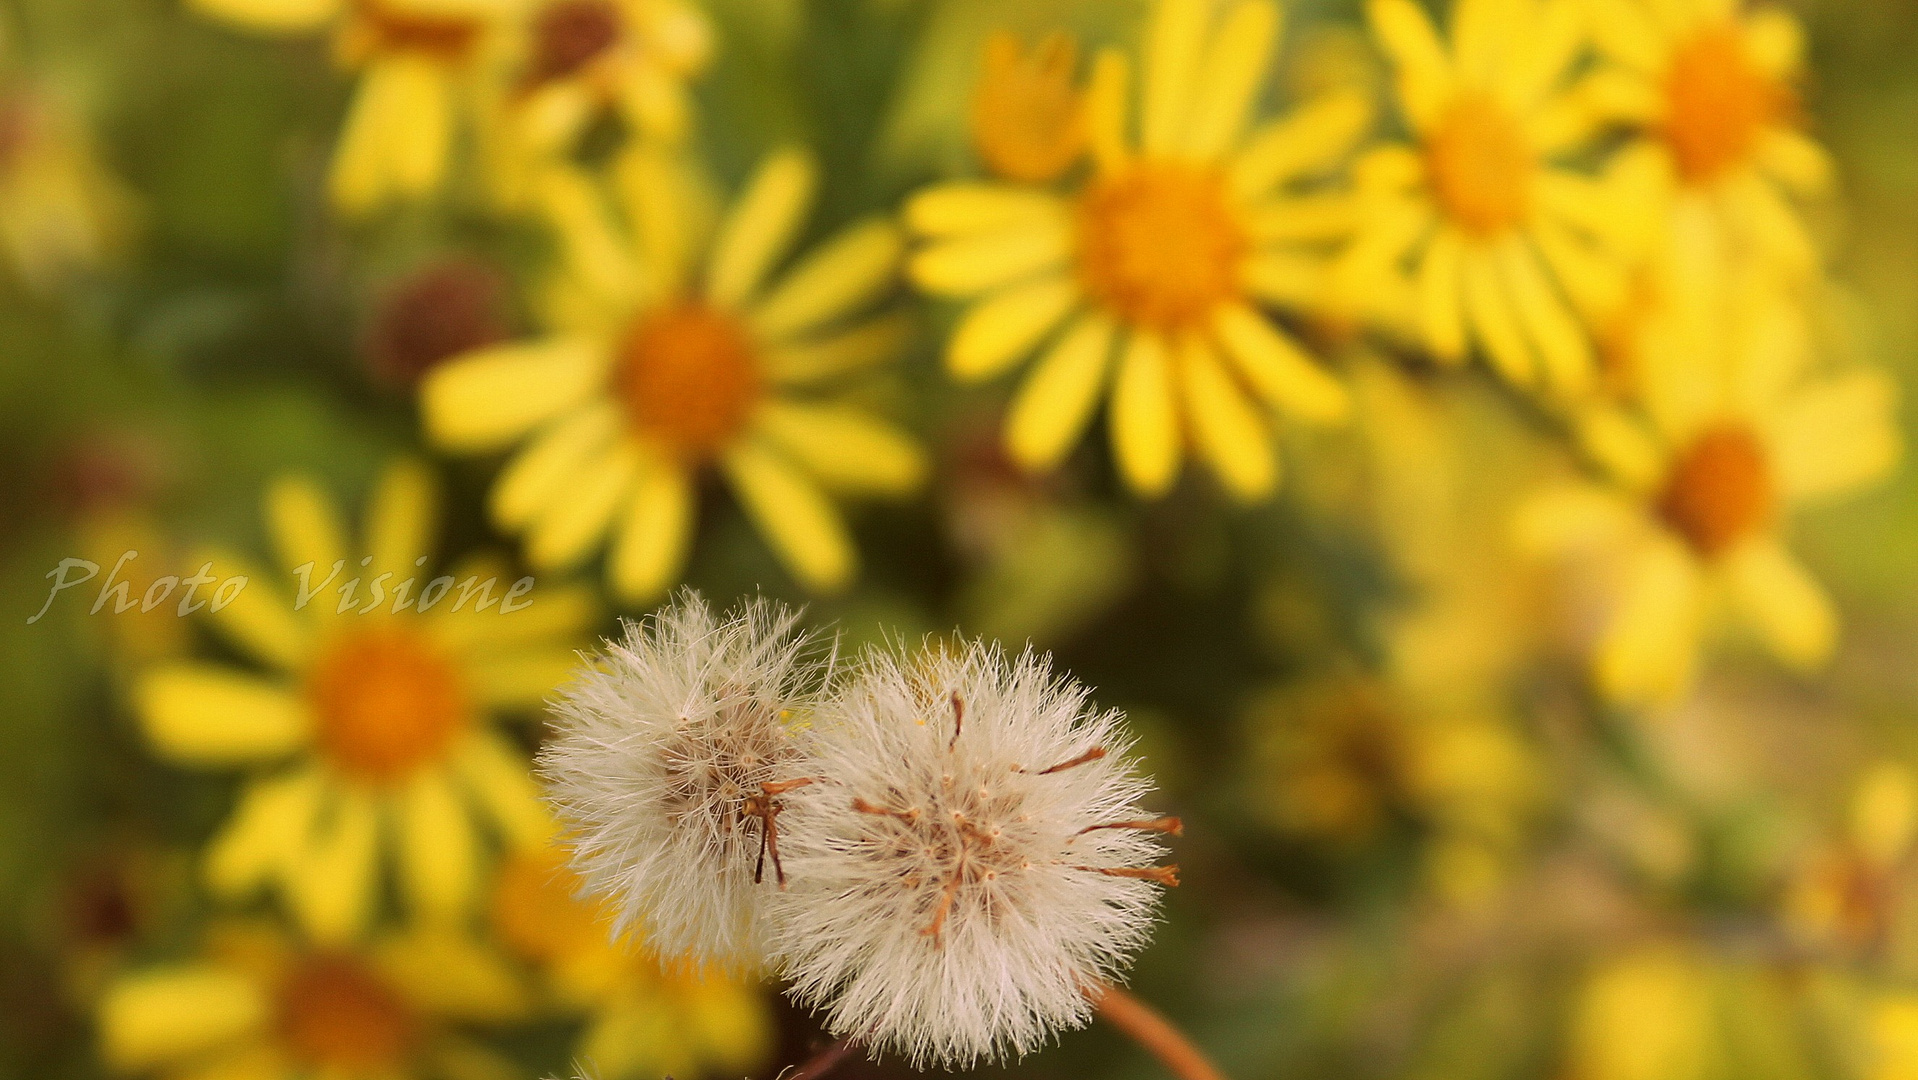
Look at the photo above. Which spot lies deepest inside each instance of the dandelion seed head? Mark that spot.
(663, 743)
(952, 871)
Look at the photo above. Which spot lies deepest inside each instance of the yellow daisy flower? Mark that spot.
(1500, 239)
(369, 739)
(1160, 258)
(61, 211)
(1712, 86)
(661, 362)
(633, 56)
(647, 1018)
(418, 64)
(1737, 432)
(258, 1005)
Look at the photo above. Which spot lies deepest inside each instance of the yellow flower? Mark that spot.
(257, 1005)
(418, 62)
(661, 363)
(1736, 432)
(372, 730)
(61, 211)
(647, 1017)
(1712, 89)
(1161, 257)
(1028, 119)
(1848, 893)
(574, 62)
(1504, 244)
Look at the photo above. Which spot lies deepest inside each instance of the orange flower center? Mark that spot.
(1717, 102)
(337, 1014)
(1719, 491)
(1159, 244)
(1028, 120)
(569, 34)
(536, 908)
(386, 702)
(689, 376)
(391, 30)
(1480, 165)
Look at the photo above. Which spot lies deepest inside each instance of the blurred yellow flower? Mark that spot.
(1848, 893)
(61, 210)
(1505, 244)
(1736, 431)
(419, 65)
(649, 1017)
(258, 1005)
(1645, 1014)
(1161, 257)
(632, 55)
(370, 739)
(570, 64)
(1713, 89)
(662, 362)
(1028, 117)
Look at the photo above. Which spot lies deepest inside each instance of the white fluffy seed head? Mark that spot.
(662, 743)
(946, 898)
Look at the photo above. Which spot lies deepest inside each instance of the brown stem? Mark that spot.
(1153, 1032)
(821, 1063)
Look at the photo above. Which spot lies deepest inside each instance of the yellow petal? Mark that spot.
(267, 829)
(555, 614)
(871, 342)
(570, 526)
(403, 518)
(1492, 321)
(1175, 38)
(1056, 401)
(199, 714)
(1794, 160)
(523, 679)
(1775, 41)
(536, 474)
(501, 780)
(1539, 59)
(170, 1015)
(1002, 328)
(1481, 38)
(1783, 603)
(1236, 62)
(1145, 419)
(1625, 35)
(304, 526)
(438, 853)
(1107, 91)
(1569, 518)
(1224, 427)
(397, 135)
(965, 207)
(1441, 277)
(669, 212)
(845, 447)
(1561, 341)
(1303, 219)
(845, 274)
(271, 16)
(1424, 73)
(486, 399)
(1277, 368)
(1285, 279)
(976, 264)
(259, 619)
(330, 888)
(446, 973)
(761, 226)
(653, 536)
(1313, 138)
(1837, 436)
(1650, 646)
(802, 527)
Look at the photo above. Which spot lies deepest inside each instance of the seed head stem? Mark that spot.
(1153, 1032)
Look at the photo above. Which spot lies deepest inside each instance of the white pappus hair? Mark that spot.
(970, 860)
(668, 767)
